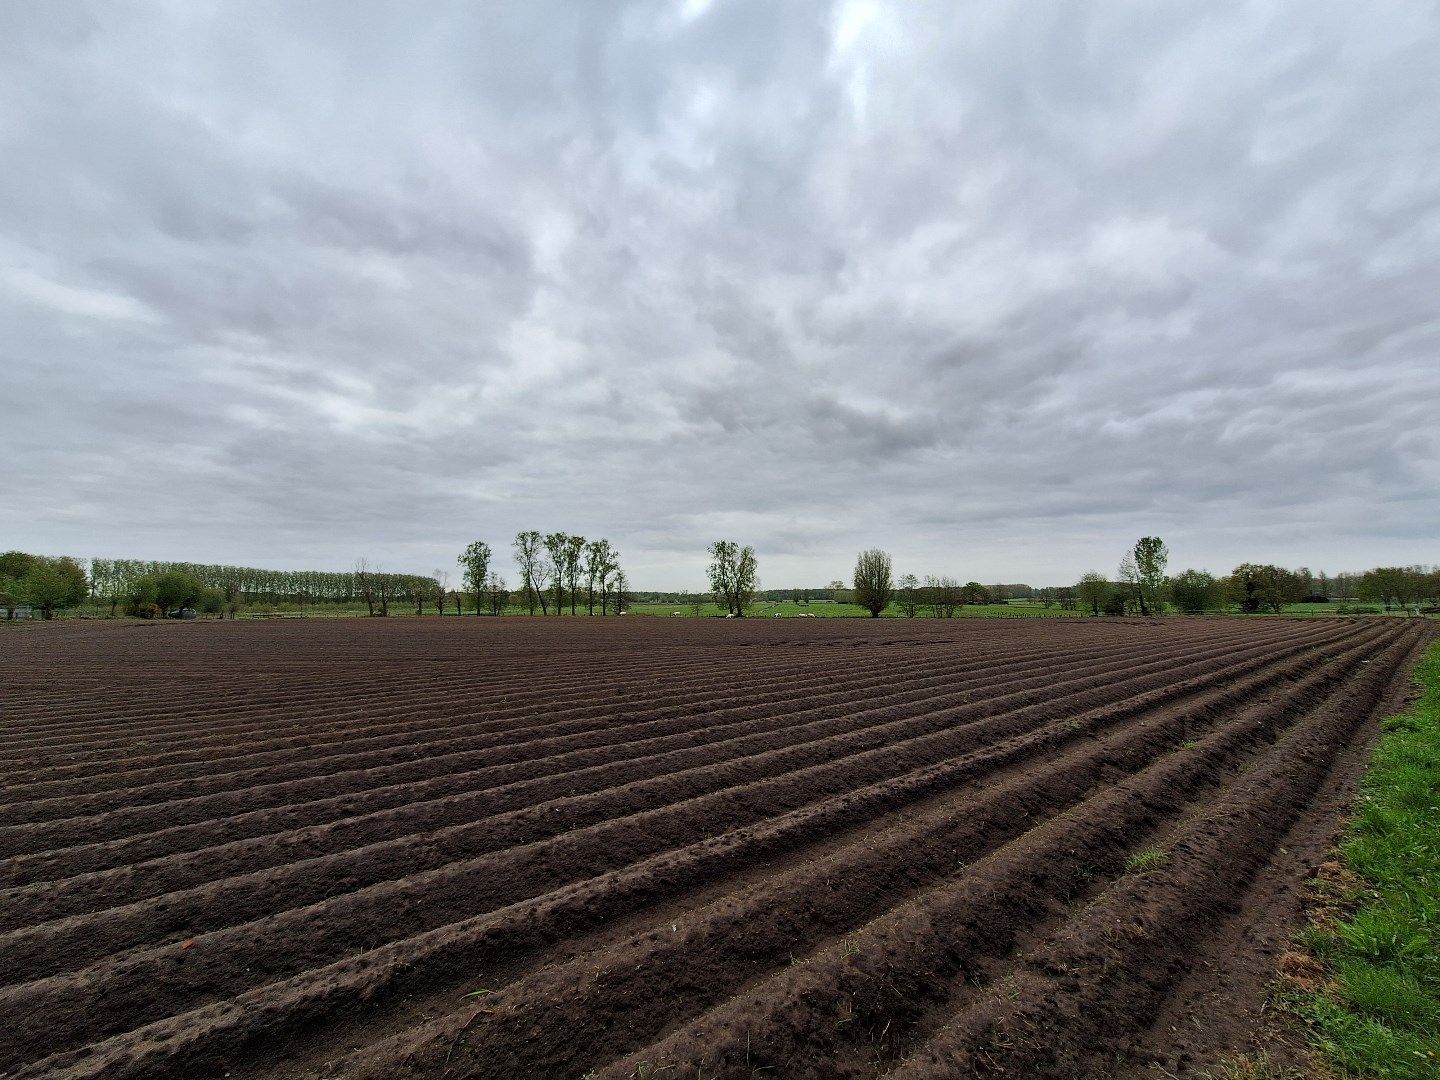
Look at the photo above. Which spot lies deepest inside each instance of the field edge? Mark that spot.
(1365, 981)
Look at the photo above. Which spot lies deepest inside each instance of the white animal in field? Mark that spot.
(673, 614)
(730, 615)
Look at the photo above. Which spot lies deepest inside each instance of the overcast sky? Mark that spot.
(998, 287)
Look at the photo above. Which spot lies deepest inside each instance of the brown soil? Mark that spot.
(631, 848)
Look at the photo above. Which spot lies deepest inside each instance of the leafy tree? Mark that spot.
(972, 592)
(10, 595)
(733, 571)
(108, 580)
(556, 546)
(475, 560)
(874, 587)
(1255, 587)
(15, 566)
(598, 562)
(175, 589)
(1195, 591)
(572, 555)
(1394, 586)
(534, 570)
(1093, 591)
(1051, 595)
(211, 602)
(1143, 571)
(52, 584)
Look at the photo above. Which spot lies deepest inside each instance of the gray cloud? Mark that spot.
(998, 288)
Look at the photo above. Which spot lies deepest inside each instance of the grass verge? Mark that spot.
(1374, 1009)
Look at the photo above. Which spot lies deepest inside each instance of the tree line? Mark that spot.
(559, 570)
(554, 568)
(40, 581)
(1144, 588)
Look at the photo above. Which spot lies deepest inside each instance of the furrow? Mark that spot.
(63, 944)
(785, 685)
(618, 887)
(607, 999)
(800, 1018)
(1074, 998)
(34, 837)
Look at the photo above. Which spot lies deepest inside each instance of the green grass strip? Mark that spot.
(1380, 1012)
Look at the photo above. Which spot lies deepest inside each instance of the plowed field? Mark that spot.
(615, 848)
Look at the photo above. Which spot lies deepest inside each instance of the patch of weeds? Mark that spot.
(1144, 861)
(1376, 934)
(1252, 1067)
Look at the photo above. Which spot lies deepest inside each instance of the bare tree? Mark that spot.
(384, 590)
(943, 595)
(365, 582)
(873, 585)
(497, 593)
(907, 596)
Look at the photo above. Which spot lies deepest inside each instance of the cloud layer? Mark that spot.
(996, 287)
